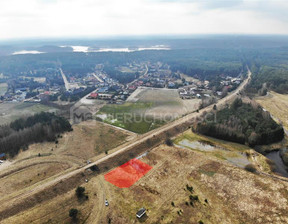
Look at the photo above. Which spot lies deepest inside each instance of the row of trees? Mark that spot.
(24, 131)
(242, 123)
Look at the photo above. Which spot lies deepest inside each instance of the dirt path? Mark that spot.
(5, 164)
(98, 210)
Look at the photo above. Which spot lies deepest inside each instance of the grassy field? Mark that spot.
(130, 116)
(147, 109)
(84, 142)
(45, 161)
(277, 105)
(223, 193)
(13, 111)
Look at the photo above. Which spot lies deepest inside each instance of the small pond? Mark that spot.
(281, 168)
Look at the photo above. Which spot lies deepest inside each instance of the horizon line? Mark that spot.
(139, 37)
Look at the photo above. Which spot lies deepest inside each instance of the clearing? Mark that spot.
(10, 111)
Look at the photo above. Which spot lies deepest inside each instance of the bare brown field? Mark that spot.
(164, 102)
(277, 105)
(227, 194)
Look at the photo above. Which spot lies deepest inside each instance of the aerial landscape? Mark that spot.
(113, 114)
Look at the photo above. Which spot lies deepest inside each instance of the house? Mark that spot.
(103, 90)
(219, 93)
(140, 213)
(171, 85)
(93, 96)
(105, 96)
(2, 156)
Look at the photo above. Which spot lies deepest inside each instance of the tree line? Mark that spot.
(244, 123)
(37, 128)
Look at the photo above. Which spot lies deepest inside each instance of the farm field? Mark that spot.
(181, 182)
(147, 109)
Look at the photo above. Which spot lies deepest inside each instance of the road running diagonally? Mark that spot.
(138, 140)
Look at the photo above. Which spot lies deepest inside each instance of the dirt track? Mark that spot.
(140, 144)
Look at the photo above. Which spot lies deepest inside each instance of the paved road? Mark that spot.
(145, 73)
(67, 84)
(97, 77)
(136, 141)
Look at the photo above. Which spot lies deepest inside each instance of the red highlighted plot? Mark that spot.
(127, 174)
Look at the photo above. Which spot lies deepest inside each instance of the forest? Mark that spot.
(24, 131)
(203, 57)
(244, 123)
(270, 70)
(203, 63)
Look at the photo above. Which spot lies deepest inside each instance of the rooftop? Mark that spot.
(141, 212)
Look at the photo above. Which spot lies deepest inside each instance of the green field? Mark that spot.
(130, 116)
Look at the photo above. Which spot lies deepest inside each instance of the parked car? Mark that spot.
(106, 202)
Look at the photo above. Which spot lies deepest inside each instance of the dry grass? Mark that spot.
(85, 142)
(232, 195)
(29, 170)
(11, 111)
(277, 105)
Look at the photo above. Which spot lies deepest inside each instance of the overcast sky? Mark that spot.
(96, 18)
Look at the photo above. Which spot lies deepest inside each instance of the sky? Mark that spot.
(99, 18)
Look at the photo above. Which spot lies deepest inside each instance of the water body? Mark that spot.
(281, 168)
(27, 52)
(87, 49)
(197, 145)
(236, 158)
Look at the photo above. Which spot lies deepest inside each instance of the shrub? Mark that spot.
(251, 168)
(80, 192)
(194, 197)
(73, 212)
(189, 188)
(169, 142)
